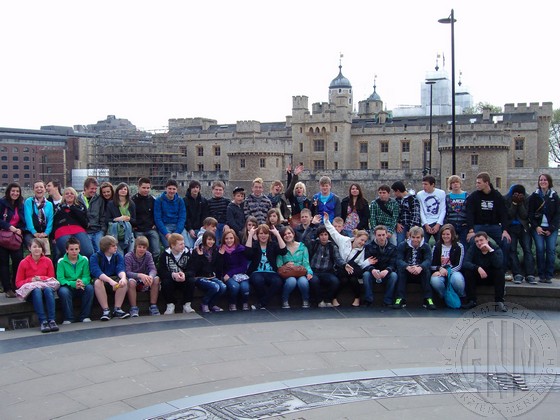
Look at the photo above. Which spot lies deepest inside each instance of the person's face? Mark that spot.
(273, 219)
(383, 195)
(325, 189)
(73, 251)
(305, 218)
(288, 236)
(257, 189)
(195, 191)
(69, 197)
(15, 192)
(123, 192)
(210, 242)
(39, 189)
(107, 193)
(112, 249)
(415, 240)
(480, 241)
(263, 236)
(324, 238)
(250, 225)
(141, 250)
(218, 192)
(238, 198)
(178, 247)
(398, 194)
(49, 187)
(455, 186)
(90, 190)
(144, 189)
(381, 237)
(212, 228)
(354, 191)
(338, 226)
(426, 186)
(543, 182)
(446, 236)
(298, 191)
(229, 240)
(481, 185)
(277, 189)
(360, 241)
(170, 191)
(36, 250)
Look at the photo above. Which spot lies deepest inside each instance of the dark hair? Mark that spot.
(57, 184)
(321, 229)
(144, 180)
(89, 181)
(116, 194)
(385, 188)
(19, 200)
(548, 178)
(450, 228)
(429, 179)
(481, 233)
(286, 229)
(484, 176)
(171, 183)
(398, 186)
(71, 241)
(194, 184)
(207, 235)
(360, 200)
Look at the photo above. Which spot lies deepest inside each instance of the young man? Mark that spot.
(170, 213)
(338, 224)
(305, 231)
(235, 217)
(210, 224)
(145, 224)
(432, 207)
(217, 208)
(484, 263)
(142, 276)
(95, 210)
(257, 204)
(72, 272)
(107, 268)
(197, 210)
(173, 273)
(385, 211)
(414, 259)
(325, 200)
(382, 256)
(409, 211)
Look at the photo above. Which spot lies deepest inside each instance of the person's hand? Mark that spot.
(274, 231)
(349, 269)
(298, 170)
(289, 168)
(123, 282)
(226, 277)
(435, 228)
(222, 249)
(325, 216)
(505, 235)
(469, 236)
(309, 276)
(399, 228)
(179, 277)
(167, 235)
(316, 219)
(148, 281)
(483, 274)
(372, 260)
(80, 284)
(199, 250)
(192, 234)
(252, 231)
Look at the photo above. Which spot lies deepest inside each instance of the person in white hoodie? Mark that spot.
(353, 253)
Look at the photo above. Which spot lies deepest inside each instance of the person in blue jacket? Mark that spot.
(39, 215)
(170, 213)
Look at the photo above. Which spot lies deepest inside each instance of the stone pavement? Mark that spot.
(152, 366)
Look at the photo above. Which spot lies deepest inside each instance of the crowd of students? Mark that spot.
(267, 245)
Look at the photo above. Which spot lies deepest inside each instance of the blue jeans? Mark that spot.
(519, 235)
(67, 295)
(153, 239)
(546, 253)
(495, 232)
(457, 282)
(235, 288)
(171, 228)
(36, 297)
(86, 247)
(266, 284)
(324, 286)
(219, 233)
(94, 237)
(189, 240)
(290, 284)
(390, 281)
(212, 288)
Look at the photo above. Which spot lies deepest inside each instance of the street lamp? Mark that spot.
(451, 20)
(428, 167)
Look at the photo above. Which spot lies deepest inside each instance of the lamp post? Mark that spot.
(428, 166)
(451, 20)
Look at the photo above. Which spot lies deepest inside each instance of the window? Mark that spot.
(49, 169)
(3, 149)
(363, 147)
(26, 176)
(4, 175)
(200, 151)
(336, 165)
(217, 167)
(336, 146)
(519, 144)
(26, 149)
(242, 163)
(363, 165)
(384, 165)
(15, 167)
(4, 158)
(384, 147)
(301, 147)
(319, 165)
(262, 162)
(201, 167)
(319, 145)
(474, 160)
(15, 158)
(217, 151)
(405, 164)
(498, 182)
(16, 176)
(15, 150)
(26, 158)
(519, 163)
(4, 167)
(405, 146)
(183, 150)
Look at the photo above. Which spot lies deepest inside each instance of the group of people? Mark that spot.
(89, 244)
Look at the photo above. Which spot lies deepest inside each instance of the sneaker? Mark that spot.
(134, 312)
(305, 304)
(322, 304)
(544, 280)
(509, 277)
(45, 327)
(205, 309)
(246, 307)
(216, 308)
(469, 305)
(502, 307)
(119, 313)
(66, 322)
(429, 304)
(518, 279)
(233, 307)
(53, 326)
(154, 311)
(531, 280)
(106, 316)
(285, 305)
(187, 308)
(399, 303)
(170, 310)
(10, 294)
(86, 320)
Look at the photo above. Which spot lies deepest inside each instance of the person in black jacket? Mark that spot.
(145, 224)
(71, 219)
(197, 210)
(484, 264)
(296, 194)
(12, 219)
(354, 210)
(235, 216)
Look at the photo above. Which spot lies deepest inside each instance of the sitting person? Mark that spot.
(447, 260)
(208, 225)
(142, 276)
(484, 264)
(206, 265)
(235, 269)
(173, 274)
(414, 258)
(250, 223)
(38, 268)
(107, 268)
(72, 271)
(305, 230)
(382, 255)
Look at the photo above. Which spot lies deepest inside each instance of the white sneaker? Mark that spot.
(170, 310)
(86, 320)
(187, 308)
(66, 322)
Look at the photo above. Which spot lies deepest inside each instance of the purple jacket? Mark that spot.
(236, 262)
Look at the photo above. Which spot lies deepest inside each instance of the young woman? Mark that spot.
(38, 268)
(544, 219)
(273, 219)
(11, 219)
(106, 191)
(235, 269)
(39, 215)
(352, 252)
(456, 208)
(297, 255)
(296, 194)
(121, 215)
(448, 254)
(71, 219)
(250, 223)
(262, 255)
(206, 264)
(355, 210)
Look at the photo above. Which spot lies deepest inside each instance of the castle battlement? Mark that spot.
(205, 123)
(542, 109)
(248, 126)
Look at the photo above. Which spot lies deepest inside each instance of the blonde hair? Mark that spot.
(258, 181)
(452, 179)
(73, 191)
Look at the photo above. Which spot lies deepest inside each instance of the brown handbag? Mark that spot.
(10, 240)
(296, 271)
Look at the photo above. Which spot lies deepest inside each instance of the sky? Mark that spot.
(75, 62)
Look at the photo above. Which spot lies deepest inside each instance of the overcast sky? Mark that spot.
(75, 62)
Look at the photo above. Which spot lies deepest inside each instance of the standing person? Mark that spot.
(54, 190)
(235, 218)
(145, 224)
(196, 207)
(107, 193)
(121, 215)
(217, 207)
(296, 194)
(325, 201)
(544, 219)
(38, 268)
(11, 219)
(518, 229)
(170, 213)
(456, 208)
(263, 269)
(39, 216)
(354, 210)
(484, 264)
(278, 201)
(409, 210)
(72, 272)
(432, 207)
(385, 211)
(70, 220)
(257, 204)
(235, 269)
(95, 211)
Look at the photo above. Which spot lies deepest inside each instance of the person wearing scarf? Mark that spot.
(39, 216)
(235, 270)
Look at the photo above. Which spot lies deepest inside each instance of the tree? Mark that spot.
(554, 137)
(477, 109)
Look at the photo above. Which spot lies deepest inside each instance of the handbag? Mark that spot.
(27, 288)
(10, 240)
(450, 296)
(296, 271)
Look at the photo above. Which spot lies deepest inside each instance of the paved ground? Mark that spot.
(145, 367)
